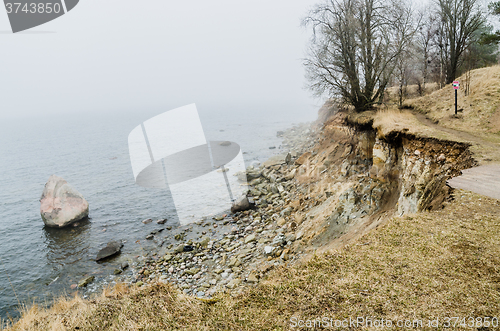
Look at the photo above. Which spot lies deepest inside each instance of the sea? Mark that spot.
(90, 150)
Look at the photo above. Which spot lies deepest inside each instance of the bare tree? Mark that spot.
(426, 33)
(460, 19)
(355, 48)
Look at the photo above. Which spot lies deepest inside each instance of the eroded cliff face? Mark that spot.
(354, 176)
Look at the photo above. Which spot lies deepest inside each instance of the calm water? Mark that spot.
(90, 151)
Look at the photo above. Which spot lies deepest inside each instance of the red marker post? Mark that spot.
(456, 86)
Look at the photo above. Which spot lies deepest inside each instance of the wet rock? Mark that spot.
(179, 249)
(84, 282)
(204, 241)
(150, 236)
(147, 221)
(112, 248)
(188, 248)
(124, 265)
(161, 221)
(241, 204)
(441, 158)
(117, 271)
(61, 204)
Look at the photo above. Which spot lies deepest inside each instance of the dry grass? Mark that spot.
(480, 115)
(444, 263)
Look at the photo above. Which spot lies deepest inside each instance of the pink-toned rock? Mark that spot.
(61, 204)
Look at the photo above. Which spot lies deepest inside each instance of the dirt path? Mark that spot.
(485, 179)
(460, 134)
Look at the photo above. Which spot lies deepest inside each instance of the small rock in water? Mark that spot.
(150, 236)
(272, 147)
(147, 221)
(117, 271)
(124, 265)
(161, 221)
(225, 143)
(73, 286)
(241, 204)
(188, 248)
(112, 248)
(84, 282)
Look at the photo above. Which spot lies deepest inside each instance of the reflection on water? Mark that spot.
(69, 245)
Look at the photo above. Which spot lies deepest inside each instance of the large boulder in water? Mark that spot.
(61, 204)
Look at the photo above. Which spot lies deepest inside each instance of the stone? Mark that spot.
(441, 158)
(168, 257)
(252, 278)
(291, 174)
(417, 152)
(188, 248)
(61, 204)
(204, 241)
(139, 283)
(193, 271)
(284, 254)
(84, 282)
(179, 249)
(279, 240)
(250, 238)
(234, 262)
(150, 236)
(290, 237)
(112, 248)
(281, 221)
(269, 250)
(147, 221)
(124, 265)
(274, 160)
(117, 271)
(233, 283)
(241, 204)
(161, 221)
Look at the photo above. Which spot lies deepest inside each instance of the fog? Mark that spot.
(128, 55)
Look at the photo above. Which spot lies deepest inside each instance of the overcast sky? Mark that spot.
(124, 55)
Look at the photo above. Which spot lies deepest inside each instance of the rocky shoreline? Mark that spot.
(231, 251)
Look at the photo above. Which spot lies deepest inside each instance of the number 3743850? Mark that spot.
(32, 8)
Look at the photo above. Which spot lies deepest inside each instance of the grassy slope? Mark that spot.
(444, 263)
(481, 107)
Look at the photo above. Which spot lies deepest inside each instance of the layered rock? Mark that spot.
(61, 204)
